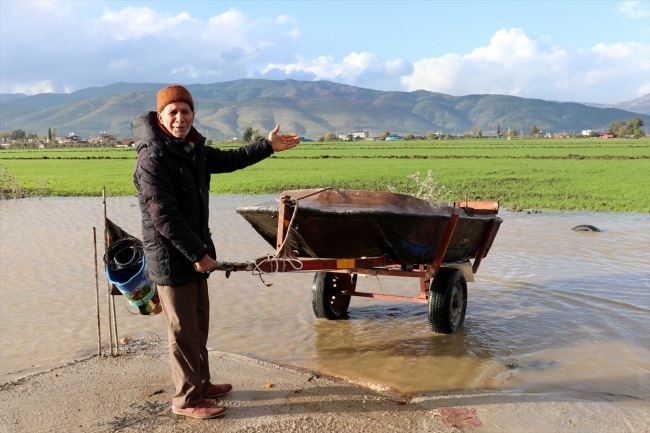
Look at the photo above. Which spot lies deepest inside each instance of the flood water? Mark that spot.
(551, 309)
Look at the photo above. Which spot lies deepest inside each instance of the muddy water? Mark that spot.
(551, 309)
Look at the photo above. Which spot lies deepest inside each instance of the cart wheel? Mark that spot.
(447, 301)
(326, 298)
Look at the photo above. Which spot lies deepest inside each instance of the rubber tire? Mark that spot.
(447, 301)
(326, 299)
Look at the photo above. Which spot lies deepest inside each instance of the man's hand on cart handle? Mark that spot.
(206, 264)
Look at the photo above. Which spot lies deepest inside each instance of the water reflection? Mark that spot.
(550, 308)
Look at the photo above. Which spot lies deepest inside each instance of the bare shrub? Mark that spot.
(426, 189)
(10, 186)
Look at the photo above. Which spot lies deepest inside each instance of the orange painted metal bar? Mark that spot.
(481, 251)
(390, 297)
(388, 272)
(283, 224)
(424, 281)
(279, 264)
(487, 206)
(432, 269)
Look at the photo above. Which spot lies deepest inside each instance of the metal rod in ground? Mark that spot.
(110, 319)
(108, 284)
(117, 341)
(99, 327)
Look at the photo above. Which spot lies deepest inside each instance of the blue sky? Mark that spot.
(590, 51)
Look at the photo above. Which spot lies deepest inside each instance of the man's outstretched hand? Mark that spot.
(280, 142)
(206, 264)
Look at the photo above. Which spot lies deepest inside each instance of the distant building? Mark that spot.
(393, 138)
(605, 135)
(71, 138)
(345, 137)
(587, 133)
(102, 137)
(304, 139)
(125, 142)
(360, 135)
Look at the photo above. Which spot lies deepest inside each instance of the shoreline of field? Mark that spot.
(131, 392)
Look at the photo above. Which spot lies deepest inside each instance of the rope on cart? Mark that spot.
(314, 193)
(275, 260)
(294, 203)
(275, 266)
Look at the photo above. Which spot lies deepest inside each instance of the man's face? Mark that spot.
(177, 117)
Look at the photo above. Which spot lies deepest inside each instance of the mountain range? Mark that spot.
(309, 108)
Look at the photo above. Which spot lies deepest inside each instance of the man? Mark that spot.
(172, 176)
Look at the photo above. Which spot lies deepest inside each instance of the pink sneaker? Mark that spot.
(204, 410)
(217, 390)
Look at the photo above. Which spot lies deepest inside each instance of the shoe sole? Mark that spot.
(191, 415)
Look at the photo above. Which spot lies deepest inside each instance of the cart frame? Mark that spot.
(285, 259)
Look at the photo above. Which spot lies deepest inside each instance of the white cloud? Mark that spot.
(135, 44)
(356, 68)
(134, 23)
(633, 9)
(193, 72)
(33, 88)
(515, 64)
(142, 44)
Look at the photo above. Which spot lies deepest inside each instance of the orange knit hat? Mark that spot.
(174, 93)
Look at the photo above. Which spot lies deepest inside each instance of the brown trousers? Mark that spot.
(187, 312)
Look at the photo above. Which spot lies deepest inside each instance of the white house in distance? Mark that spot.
(102, 137)
(70, 138)
(355, 135)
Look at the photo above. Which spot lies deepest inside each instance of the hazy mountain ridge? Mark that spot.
(639, 105)
(310, 108)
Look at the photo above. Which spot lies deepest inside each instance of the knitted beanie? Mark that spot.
(174, 93)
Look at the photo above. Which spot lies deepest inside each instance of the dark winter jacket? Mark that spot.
(173, 196)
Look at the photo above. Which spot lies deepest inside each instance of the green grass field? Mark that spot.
(578, 174)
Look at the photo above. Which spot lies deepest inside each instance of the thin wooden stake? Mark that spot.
(99, 327)
(108, 284)
(117, 341)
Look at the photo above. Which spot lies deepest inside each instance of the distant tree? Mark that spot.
(247, 135)
(51, 135)
(498, 130)
(474, 130)
(31, 135)
(636, 122)
(634, 127)
(208, 142)
(4, 135)
(330, 136)
(614, 127)
(512, 133)
(17, 134)
(384, 134)
(431, 135)
(321, 138)
(534, 131)
(480, 133)
(409, 136)
(257, 136)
